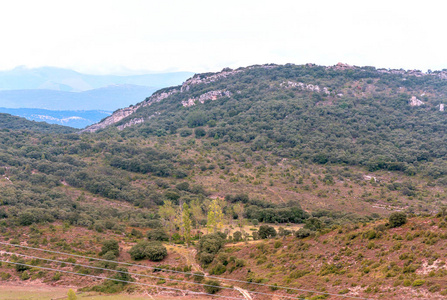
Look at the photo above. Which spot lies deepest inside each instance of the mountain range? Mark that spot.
(49, 94)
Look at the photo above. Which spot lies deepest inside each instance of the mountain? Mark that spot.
(9, 122)
(106, 98)
(50, 78)
(382, 119)
(61, 89)
(309, 181)
(71, 118)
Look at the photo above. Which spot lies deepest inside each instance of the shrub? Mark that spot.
(212, 286)
(208, 246)
(21, 268)
(266, 231)
(237, 236)
(71, 295)
(25, 275)
(110, 245)
(219, 269)
(397, 219)
(136, 233)
(303, 233)
(153, 251)
(157, 235)
(277, 244)
(198, 277)
(418, 282)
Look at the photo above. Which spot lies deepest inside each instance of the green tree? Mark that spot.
(215, 217)
(266, 231)
(397, 219)
(239, 211)
(167, 214)
(186, 223)
(153, 251)
(71, 295)
(110, 246)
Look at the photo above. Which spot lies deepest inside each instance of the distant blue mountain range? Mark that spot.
(71, 118)
(50, 78)
(67, 97)
(106, 98)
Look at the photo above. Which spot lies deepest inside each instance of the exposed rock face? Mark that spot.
(114, 118)
(441, 107)
(342, 66)
(306, 87)
(212, 95)
(415, 101)
(131, 123)
(125, 112)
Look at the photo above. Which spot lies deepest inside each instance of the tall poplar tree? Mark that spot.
(215, 217)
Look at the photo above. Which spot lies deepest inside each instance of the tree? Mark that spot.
(167, 213)
(110, 246)
(71, 295)
(397, 219)
(157, 235)
(266, 231)
(215, 216)
(239, 210)
(154, 251)
(186, 223)
(196, 211)
(212, 286)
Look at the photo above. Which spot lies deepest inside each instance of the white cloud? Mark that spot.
(104, 35)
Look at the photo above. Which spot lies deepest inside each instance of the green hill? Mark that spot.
(9, 122)
(334, 149)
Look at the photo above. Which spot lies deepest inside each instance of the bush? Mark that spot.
(303, 233)
(219, 269)
(208, 246)
(198, 277)
(237, 236)
(397, 219)
(21, 268)
(136, 233)
(212, 286)
(266, 231)
(154, 251)
(418, 282)
(110, 245)
(157, 235)
(25, 275)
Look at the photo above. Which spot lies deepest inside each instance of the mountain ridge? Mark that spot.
(205, 78)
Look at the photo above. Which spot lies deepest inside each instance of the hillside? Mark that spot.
(9, 122)
(248, 153)
(342, 114)
(71, 118)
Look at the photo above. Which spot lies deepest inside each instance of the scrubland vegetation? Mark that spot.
(340, 192)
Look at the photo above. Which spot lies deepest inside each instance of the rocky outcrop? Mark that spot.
(441, 107)
(120, 114)
(341, 66)
(415, 101)
(131, 123)
(212, 95)
(114, 118)
(306, 87)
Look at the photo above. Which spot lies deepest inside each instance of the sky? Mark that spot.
(132, 36)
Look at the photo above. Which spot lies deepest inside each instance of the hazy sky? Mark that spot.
(103, 36)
